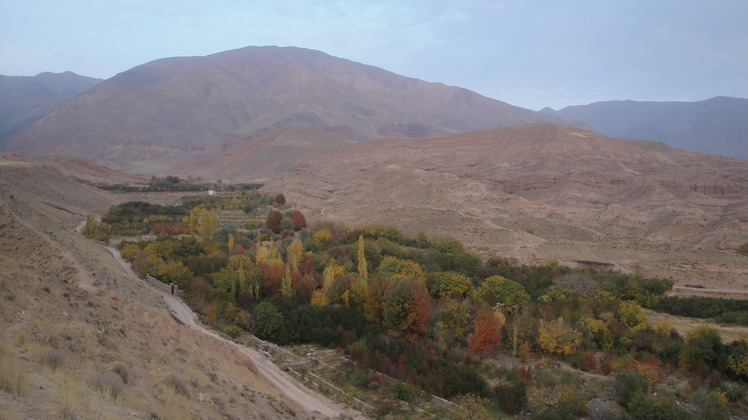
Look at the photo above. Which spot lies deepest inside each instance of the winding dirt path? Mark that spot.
(309, 400)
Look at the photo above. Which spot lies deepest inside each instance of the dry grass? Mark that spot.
(108, 383)
(12, 377)
(684, 324)
(72, 398)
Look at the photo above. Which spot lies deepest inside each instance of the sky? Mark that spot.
(529, 53)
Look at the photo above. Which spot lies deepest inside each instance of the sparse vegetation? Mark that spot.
(13, 379)
(743, 249)
(107, 383)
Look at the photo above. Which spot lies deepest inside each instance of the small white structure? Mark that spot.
(211, 192)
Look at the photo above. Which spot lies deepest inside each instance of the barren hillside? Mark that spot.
(80, 338)
(544, 192)
(157, 114)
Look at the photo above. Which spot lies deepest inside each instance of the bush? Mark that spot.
(661, 407)
(743, 250)
(405, 392)
(51, 358)
(232, 331)
(107, 383)
(627, 384)
(177, 384)
(711, 406)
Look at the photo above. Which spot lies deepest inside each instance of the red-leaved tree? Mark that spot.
(487, 333)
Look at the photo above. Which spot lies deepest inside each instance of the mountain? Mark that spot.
(165, 109)
(24, 99)
(718, 125)
(543, 192)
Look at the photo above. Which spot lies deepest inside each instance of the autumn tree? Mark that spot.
(298, 220)
(376, 298)
(407, 308)
(499, 291)
(273, 221)
(450, 284)
(487, 332)
(557, 337)
(208, 223)
(294, 254)
(287, 289)
(399, 269)
(230, 244)
(455, 320)
(363, 269)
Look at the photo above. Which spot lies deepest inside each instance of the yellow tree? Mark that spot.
(230, 245)
(363, 269)
(294, 253)
(557, 337)
(286, 285)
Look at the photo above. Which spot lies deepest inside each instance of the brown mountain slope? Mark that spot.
(718, 125)
(541, 192)
(24, 99)
(163, 109)
(266, 155)
(80, 338)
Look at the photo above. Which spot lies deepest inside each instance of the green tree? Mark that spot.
(627, 384)
(450, 284)
(702, 348)
(90, 229)
(268, 319)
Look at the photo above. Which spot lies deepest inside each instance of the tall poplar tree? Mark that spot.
(363, 269)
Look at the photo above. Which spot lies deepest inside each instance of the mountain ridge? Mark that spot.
(179, 105)
(717, 125)
(26, 98)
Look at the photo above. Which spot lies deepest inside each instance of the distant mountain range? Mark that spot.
(24, 99)
(174, 112)
(718, 125)
(160, 111)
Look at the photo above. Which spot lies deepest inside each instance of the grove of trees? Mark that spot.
(425, 310)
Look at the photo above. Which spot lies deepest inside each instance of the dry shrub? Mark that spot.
(121, 371)
(107, 383)
(12, 378)
(51, 358)
(177, 384)
(72, 399)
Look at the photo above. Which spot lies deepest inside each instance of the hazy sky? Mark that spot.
(530, 53)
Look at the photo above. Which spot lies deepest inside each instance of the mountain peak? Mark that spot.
(168, 108)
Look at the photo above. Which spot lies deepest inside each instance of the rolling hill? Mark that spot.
(717, 125)
(542, 192)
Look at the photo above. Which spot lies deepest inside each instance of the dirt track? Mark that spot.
(306, 398)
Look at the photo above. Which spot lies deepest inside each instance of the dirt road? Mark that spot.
(309, 400)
